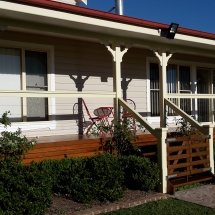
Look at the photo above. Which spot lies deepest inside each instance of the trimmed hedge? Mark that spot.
(101, 177)
(27, 189)
(140, 173)
(23, 190)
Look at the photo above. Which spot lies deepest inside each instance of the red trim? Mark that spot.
(109, 16)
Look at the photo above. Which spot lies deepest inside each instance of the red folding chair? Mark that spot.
(126, 115)
(94, 119)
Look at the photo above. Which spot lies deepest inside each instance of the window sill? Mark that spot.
(27, 126)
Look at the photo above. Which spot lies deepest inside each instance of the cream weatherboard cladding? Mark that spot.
(75, 60)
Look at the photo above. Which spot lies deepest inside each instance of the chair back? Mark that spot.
(84, 103)
(131, 103)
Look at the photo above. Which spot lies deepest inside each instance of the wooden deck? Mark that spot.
(57, 147)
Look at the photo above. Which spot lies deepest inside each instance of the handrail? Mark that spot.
(138, 117)
(187, 117)
(189, 96)
(56, 94)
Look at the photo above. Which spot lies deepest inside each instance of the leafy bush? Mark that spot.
(107, 177)
(13, 145)
(24, 190)
(86, 179)
(185, 128)
(118, 137)
(140, 173)
(102, 177)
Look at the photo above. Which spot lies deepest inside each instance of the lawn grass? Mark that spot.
(166, 207)
(189, 186)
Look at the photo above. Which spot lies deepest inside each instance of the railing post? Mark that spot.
(162, 157)
(209, 130)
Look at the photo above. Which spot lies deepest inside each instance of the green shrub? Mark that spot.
(75, 180)
(24, 190)
(86, 179)
(118, 137)
(13, 145)
(27, 190)
(140, 173)
(107, 177)
(102, 177)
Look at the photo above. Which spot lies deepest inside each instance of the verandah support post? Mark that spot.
(162, 158)
(163, 58)
(117, 53)
(209, 130)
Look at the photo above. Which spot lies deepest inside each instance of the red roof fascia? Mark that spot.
(110, 16)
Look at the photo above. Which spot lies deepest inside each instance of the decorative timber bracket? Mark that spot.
(115, 50)
(162, 56)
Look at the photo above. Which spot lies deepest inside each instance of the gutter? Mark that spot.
(109, 16)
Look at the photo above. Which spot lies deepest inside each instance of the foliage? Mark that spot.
(185, 128)
(140, 173)
(103, 177)
(5, 120)
(13, 145)
(118, 137)
(86, 179)
(168, 206)
(24, 190)
(107, 176)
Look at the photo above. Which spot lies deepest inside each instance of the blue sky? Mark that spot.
(193, 14)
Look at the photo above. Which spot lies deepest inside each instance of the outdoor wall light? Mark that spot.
(170, 32)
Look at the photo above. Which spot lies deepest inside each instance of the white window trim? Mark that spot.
(193, 66)
(51, 124)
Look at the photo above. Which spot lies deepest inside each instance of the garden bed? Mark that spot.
(64, 205)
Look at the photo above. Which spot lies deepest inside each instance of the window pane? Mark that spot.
(10, 70)
(154, 76)
(171, 78)
(171, 73)
(203, 83)
(36, 79)
(184, 78)
(154, 89)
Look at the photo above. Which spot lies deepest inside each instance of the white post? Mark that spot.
(117, 59)
(209, 130)
(117, 81)
(162, 158)
(163, 90)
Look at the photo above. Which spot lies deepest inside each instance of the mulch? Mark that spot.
(65, 205)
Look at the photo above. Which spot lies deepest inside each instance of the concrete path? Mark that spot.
(203, 195)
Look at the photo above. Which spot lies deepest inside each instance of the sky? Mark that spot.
(192, 14)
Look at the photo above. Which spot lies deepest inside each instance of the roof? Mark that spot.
(110, 16)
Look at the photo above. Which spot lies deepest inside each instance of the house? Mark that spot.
(52, 54)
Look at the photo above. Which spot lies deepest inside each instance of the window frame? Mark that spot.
(193, 79)
(49, 49)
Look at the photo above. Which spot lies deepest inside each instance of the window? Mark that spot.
(13, 61)
(178, 81)
(203, 87)
(154, 89)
